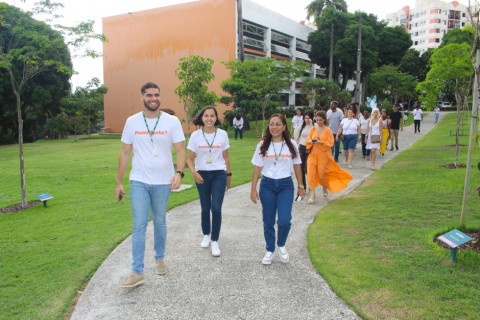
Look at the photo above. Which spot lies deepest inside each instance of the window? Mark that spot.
(463, 24)
(397, 19)
(439, 11)
(437, 40)
(438, 30)
(464, 15)
(415, 43)
(416, 34)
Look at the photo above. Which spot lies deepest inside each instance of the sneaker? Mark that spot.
(215, 249)
(134, 280)
(205, 242)
(283, 254)
(268, 258)
(391, 149)
(160, 267)
(396, 147)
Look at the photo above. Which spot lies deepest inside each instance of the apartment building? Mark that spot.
(429, 20)
(147, 45)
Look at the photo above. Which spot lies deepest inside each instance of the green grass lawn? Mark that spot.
(374, 247)
(47, 254)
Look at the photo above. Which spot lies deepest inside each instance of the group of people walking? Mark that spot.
(311, 155)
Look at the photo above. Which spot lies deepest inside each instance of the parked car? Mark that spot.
(445, 104)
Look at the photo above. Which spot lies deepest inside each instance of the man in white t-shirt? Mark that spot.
(335, 116)
(417, 118)
(150, 134)
(297, 122)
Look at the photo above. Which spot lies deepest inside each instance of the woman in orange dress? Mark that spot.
(321, 167)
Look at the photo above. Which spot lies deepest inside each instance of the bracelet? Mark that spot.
(301, 187)
(229, 174)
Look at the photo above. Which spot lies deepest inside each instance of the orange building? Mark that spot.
(147, 45)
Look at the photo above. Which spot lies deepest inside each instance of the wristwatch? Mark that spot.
(181, 173)
(229, 174)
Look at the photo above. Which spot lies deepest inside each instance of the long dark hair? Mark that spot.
(307, 113)
(267, 137)
(198, 120)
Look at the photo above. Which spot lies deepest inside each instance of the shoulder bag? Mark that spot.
(374, 138)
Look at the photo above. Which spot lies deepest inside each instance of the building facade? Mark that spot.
(147, 45)
(429, 20)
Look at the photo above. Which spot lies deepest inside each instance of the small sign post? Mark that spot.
(44, 197)
(454, 239)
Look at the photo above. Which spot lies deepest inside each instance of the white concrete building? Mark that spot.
(429, 20)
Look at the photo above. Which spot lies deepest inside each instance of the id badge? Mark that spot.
(155, 152)
(271, 171)
(209, 159)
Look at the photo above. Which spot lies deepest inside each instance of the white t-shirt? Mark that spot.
(437, 110)
(238, 122)
(417, 114)
(199, 145)
(152, 163)
(283, 167)
(363, 124)
(334, 119)
(297, 121)
(304, 135)
(350, 126)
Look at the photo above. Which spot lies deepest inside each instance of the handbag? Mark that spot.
(342, 137)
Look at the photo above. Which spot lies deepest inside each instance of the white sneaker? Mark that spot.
(205, 242)
(268, 258)
(215, 249)
(283, 254)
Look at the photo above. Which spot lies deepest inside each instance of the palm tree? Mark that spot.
(315, 9)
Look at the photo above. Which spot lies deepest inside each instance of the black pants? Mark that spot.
(303, 156)
(417, 125)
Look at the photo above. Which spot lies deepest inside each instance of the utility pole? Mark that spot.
(330, 69)
(359, 64)
(241, 53)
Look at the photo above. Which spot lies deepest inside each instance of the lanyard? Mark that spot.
(279, 154)
(210, 145)
(148, 129)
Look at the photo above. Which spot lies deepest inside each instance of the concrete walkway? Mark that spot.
(235, 285)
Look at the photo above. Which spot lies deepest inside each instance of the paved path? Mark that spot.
(235, 285)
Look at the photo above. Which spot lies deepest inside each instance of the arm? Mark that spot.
(368, 130)
(359, 132)
(298, 174)
(308, 142)
(253, 193)
(191, 165)
(123, 161)
(176, 181)
(226, 157)
(340, 130)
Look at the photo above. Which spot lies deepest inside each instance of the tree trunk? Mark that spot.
(457, 136)
(256, 126)
(241, 53)
(330, 69)
(20, 149)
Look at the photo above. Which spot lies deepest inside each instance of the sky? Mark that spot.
(76, 11)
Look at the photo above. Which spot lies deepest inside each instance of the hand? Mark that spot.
(254, 196)
(229, 180)
(119, 192)
(176, 182)
(301, 192)
(401, 129)
(198, 178)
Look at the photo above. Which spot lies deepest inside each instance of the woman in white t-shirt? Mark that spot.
(209, 163)
(350, 128)
(301, 142)
(238, 126)
(276, 157)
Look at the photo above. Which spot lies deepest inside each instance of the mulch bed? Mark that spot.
(453, 166)
(18, 207)
(471, 245)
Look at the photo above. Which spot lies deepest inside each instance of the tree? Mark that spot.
(388, 81)
(194, 72)
(415, 64)
(464, 35)
(451, 65)
(255, 85)
(393, 43)
(28, 48)
(321, 92)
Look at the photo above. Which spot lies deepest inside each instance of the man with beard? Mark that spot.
(150, 134)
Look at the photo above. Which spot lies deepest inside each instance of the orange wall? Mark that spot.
(146, 46)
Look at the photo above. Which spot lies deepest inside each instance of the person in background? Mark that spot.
(321, 167)
(209, 163)
(301, 142)
(335, 117)
(417, 117)
(395, 126)
(363, 129)
(150, 134)
(350, 129)
(385, 131)
(437, 114)
(374, 130)
(238, 126)
(276, 157)
(297, 122)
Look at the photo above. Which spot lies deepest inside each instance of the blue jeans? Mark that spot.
(336, 146)
(238, 131)
(365, 151)
(437, 115)
(276, 195)
(211, 193)
(144, 197)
